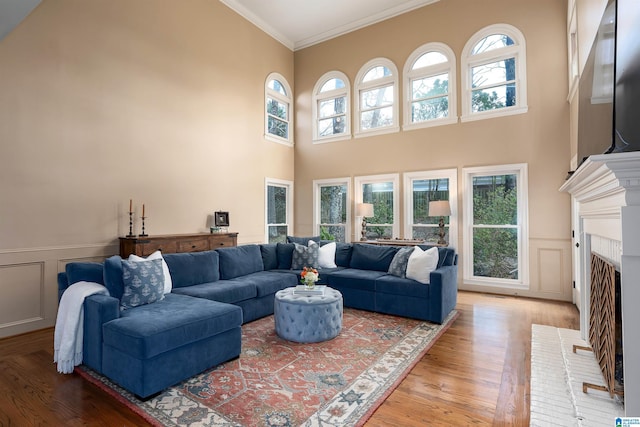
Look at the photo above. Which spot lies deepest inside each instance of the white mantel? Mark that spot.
(606, 195)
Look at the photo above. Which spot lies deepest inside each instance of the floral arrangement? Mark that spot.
(309, 277)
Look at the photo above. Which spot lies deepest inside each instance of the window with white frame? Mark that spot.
(279, 210)
(494, 73)
(382, 192)
(376, 93)
(331, 213)
(331, 107)
(278, 110)
(496, 226)
(429, 84)
(420, 188)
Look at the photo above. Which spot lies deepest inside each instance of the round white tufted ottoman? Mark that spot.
(308, 318)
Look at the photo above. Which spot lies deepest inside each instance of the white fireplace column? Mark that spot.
(607, 191)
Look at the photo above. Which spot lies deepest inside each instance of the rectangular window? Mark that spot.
(382, 192)
(331, 209)
(332, 118)
(430, 97)
(376, 107)
(278, 116)
(493, 85)
(278, 206)
(422, 188)
(496, 228)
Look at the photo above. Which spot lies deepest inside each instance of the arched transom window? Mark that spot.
(278, 110)
(377, 97)
(494, 73)
(331, 107)
(430, 82)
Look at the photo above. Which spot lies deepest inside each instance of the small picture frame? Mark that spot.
(221, 219)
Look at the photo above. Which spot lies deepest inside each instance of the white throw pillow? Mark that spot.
(421, 264)
(327, 256)
(168, 284)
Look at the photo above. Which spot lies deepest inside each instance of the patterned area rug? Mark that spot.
(278, 383)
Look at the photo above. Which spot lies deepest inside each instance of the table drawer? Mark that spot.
(167, 246)
(195, 245)
(222, 241)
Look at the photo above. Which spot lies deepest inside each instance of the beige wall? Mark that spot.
(539, 138)
(106, 100)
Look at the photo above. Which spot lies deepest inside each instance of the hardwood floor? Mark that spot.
(477, 373)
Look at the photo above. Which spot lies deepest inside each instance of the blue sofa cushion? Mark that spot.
(305, 256)
(372, 257)
(401, 286)
(285, 253)
(229, 291)
(269, 282)
(84, 271)
(177, 320)
(269, 256)
(193, 268)
(113, 276)
(239, 261)
(356, 279)
(303, 240)
(143, 283)
(447, 257)
(343, 254)
(398, 266)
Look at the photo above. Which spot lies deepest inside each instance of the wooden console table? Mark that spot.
(171, 243)
(398, 242)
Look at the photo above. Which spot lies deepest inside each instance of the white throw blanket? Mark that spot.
(67, 342)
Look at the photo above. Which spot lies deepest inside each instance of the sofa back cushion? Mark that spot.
(372, 257)
(343, 254)
(303, 240)
(285, 253)
(239, 261)
(269, 256)
(84, 272)
(447, 257)
(193, 268)
(113, 276)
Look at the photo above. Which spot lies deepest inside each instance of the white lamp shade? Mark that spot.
(364, 209)
(439, 208)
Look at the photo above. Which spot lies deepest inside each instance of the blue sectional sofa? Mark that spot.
(198, 324)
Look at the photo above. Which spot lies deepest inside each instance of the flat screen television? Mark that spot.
(609, 103)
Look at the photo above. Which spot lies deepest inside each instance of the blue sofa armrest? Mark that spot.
(98, 309)
(443, 291)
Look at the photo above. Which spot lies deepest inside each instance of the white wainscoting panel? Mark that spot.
(29, 283)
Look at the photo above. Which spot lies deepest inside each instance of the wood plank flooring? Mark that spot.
(476, 374)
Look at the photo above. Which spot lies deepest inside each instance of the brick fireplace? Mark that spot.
(605, 192)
